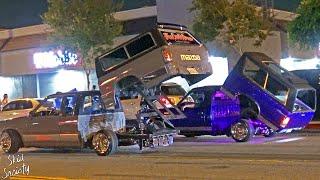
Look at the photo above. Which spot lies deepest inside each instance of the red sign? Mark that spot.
(177, 37)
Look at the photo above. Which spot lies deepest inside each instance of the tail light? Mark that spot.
(167, 55)
(284, 122)
(165, 101)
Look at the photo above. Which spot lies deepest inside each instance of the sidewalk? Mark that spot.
(313, 127)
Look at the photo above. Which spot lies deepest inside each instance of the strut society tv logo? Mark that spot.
(16, 166)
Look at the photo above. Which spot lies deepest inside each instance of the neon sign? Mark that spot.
(177, 37)
(52, 59)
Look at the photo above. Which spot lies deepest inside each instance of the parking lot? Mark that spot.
(294, 156)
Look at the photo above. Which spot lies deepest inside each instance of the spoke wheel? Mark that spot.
(10, 141)
(104, 143)
(6, 142)
(242, 131)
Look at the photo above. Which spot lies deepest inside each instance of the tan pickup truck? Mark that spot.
(152, 57)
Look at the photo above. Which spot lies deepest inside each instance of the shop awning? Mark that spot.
(25, 42)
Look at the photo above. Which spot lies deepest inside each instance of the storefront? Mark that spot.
(29, 67)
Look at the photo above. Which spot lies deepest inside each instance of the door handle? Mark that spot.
(35, 124)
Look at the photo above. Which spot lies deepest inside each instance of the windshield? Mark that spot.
(305, 100)
(175, 37)
(173, 90)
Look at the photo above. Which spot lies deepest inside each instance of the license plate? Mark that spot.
(192, 71)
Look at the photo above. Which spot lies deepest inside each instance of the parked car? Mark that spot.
(79, 119)
(19, 108)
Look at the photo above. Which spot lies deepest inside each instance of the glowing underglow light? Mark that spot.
(50, 59)
(289, 140)
(292, 64)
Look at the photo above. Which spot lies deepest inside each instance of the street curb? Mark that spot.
(313, 126)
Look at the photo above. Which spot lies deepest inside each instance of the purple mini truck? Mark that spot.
(259, 97)
(272, 99)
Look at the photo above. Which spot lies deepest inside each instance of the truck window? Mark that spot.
(305, 100)
(178, 37)
(254, 72)
(140, 45)
(194, 99)
(114, 58)
(174, 90)
(267, 82)
(50, 107)
(277, 89)
(92, 104)
(69, 104)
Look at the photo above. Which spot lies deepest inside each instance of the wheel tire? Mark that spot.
(105, 143)
(10, 142)
(271, 133)
(242, 131)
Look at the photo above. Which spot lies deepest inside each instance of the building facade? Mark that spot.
(29, 69)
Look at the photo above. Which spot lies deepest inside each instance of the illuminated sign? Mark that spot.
(190, 57)
(177, 37)
(52, 59)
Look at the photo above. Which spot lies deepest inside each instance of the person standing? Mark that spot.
(4, 101)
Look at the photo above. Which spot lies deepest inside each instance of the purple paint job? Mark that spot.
(224, 112)
(214, 116)
(271, 109)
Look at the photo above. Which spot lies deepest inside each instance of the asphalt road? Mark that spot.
(294, 156)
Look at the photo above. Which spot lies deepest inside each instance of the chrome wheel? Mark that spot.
(5, 142)
(101, 143)
(239, 131)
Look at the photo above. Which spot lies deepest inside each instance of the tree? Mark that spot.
(305, 29)
(230, 21)
(87, 27)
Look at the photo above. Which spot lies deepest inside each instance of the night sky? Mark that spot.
(19, 13)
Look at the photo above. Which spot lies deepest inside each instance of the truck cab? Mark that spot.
(270, 93)
(163, 52)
